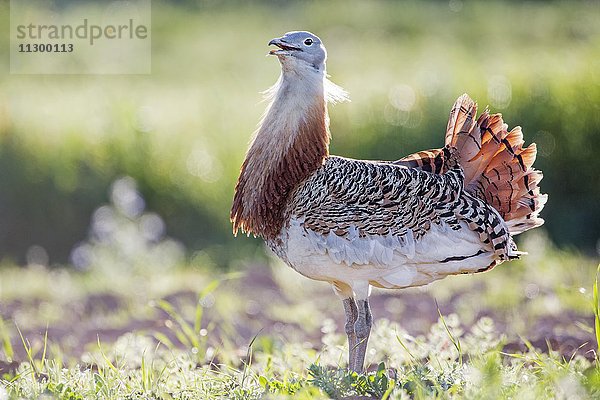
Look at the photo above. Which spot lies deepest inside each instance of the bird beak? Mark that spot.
(274, 42)
(284, 47)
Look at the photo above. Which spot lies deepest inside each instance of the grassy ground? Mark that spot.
(523, 330)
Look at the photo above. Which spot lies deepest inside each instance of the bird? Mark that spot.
(359, 224)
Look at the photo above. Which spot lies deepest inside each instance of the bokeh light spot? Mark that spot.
(402, 97)
(546, 143)
(499, 91)
(126, 198)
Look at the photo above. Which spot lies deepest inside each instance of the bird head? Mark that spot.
(298, 49)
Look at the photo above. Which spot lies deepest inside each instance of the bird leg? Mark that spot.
(362, 329)
(351, 317)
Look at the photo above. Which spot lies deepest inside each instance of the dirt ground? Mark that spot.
(87, 322)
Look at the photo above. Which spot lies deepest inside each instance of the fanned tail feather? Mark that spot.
(497, 168)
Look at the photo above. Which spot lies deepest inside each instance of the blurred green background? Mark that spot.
(67, 143)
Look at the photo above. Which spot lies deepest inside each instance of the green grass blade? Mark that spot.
(45, 346)
(105, 358)
(28, 351)
(454, 340)
(191, 339)
(597, 308)
(6, 343)
(162, 338)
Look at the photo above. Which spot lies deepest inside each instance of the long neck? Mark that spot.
(290, 144)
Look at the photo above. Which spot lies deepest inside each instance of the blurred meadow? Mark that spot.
(119, 275)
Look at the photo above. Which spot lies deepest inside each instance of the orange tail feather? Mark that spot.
(498, 169)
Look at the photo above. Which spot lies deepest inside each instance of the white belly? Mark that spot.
(384, 261)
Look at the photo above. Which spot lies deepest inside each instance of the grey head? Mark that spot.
(299, 48)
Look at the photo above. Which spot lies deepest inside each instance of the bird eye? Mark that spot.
(308, 42)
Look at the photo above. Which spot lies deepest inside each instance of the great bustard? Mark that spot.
(358, 224)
